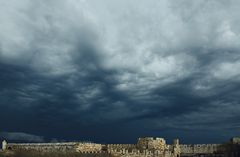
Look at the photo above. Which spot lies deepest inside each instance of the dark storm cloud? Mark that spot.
(18, 136)
(114, 71)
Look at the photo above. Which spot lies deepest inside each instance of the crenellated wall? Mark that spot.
(142, 153)
(68, 146)
(151, 143)
(121, 146)
(199, 148)
(88, 147)
(145, 147)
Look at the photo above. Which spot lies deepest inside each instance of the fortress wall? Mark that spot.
(199, 148)
(89, 147)
(186, 149)
(143, 153)
(121, 146)
(157, 144)
(145, 147)
(42, 146)
(151, 143)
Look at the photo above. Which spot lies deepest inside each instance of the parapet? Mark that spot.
(199, 148)
(88, 147)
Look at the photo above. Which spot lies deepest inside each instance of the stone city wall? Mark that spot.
(89, 148)
(121, 146)
(151, 143)
(142, 153)
(199, 148)
(42, 146)
(145, 147)
(120, 150)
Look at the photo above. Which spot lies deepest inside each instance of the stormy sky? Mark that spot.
(114, 70)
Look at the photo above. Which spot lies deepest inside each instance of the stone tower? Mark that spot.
(176, 148)
(4, 145)
(176, 142)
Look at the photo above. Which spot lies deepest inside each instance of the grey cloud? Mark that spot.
(157, 64)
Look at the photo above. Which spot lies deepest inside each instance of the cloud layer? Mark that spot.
(137, 68)
(19, 136)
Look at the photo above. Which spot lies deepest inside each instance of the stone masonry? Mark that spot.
(145, 147)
